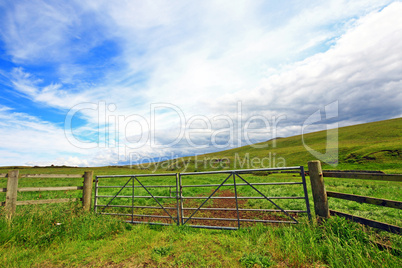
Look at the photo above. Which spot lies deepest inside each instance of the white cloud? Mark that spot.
(26, 137)
(52, 95)
(36, 29)
(362, 71)
(204, 58)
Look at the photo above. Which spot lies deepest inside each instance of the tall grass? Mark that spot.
(40, 226)
(63, 235)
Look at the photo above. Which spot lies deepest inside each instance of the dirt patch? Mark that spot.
(216, 214)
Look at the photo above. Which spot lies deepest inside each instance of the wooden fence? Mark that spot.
(320, 195)
(12, 190)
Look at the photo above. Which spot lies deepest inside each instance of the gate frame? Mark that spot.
(132, 177)
(179, 219)
(235, 173)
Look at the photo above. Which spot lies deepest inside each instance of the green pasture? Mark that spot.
(62, 235)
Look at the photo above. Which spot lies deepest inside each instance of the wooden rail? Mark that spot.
(42, 189)
(56, 176)
(47, 201)
(320, 195)
(376, 224)
(53, 176)
(39, 189)
(44, 201)
(366, 199)
(12, 190)
(363, 176)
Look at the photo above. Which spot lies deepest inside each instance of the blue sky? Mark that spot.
(97, 82)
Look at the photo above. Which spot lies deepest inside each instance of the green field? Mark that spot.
(62, 235)
(371, 146)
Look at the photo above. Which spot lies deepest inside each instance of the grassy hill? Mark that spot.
(370, 146)
(62, 235)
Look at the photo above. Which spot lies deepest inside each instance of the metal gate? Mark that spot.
(172, 210)
(124, 199)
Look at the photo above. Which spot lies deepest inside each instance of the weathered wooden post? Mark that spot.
(318, 189)
(87, 190)
(11, 195)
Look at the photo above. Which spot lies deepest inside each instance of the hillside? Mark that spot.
(370, 146)
(61, 235)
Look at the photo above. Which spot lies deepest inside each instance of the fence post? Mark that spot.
(318, 189)
(87, 191)
(11, 195)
